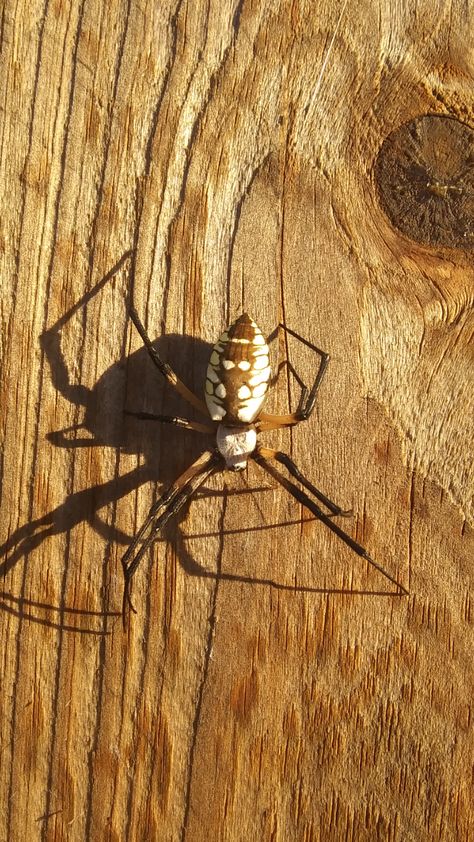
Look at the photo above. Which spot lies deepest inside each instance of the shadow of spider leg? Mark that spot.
(307, 399)
(263, 454)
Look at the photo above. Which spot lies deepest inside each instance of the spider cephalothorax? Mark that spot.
(237, 380)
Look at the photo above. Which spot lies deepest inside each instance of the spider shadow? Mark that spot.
(179, 540)
(131, 383)
(174, 535)
(41, 613)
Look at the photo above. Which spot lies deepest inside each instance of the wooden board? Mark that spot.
(272, 686)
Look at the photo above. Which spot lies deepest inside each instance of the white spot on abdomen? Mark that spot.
(260, 390)
(260, 362)
(248, 411)
(216, 411)
(261, 377)
(244, 392)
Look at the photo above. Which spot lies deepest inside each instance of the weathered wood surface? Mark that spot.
(271, 686)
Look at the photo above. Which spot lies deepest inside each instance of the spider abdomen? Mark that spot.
(238, 373)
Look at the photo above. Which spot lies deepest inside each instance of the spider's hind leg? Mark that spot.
(160, 512)
(264, 455)
(287, 461)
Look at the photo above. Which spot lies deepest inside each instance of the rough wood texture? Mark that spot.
(271, 686)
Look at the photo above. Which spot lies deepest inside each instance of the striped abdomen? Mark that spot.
(238, 373)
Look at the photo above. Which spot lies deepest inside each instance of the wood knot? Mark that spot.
(425, 180)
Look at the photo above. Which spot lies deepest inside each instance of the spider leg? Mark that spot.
(160, 512)
(185, 423)
(284, 459)
(166, 369)
(307, 400)
(303, 498)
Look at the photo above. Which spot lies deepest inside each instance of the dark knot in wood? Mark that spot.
(425, 180)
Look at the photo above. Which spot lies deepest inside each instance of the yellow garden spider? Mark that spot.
(237, 379)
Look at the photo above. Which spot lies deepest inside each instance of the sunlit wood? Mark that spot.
(271, 685)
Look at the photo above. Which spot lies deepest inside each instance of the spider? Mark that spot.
(237, 380)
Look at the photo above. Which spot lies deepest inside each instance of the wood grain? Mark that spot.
(271, 686)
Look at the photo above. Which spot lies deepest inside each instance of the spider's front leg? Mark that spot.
(166, 369)
(307, 400)
(162, 509)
